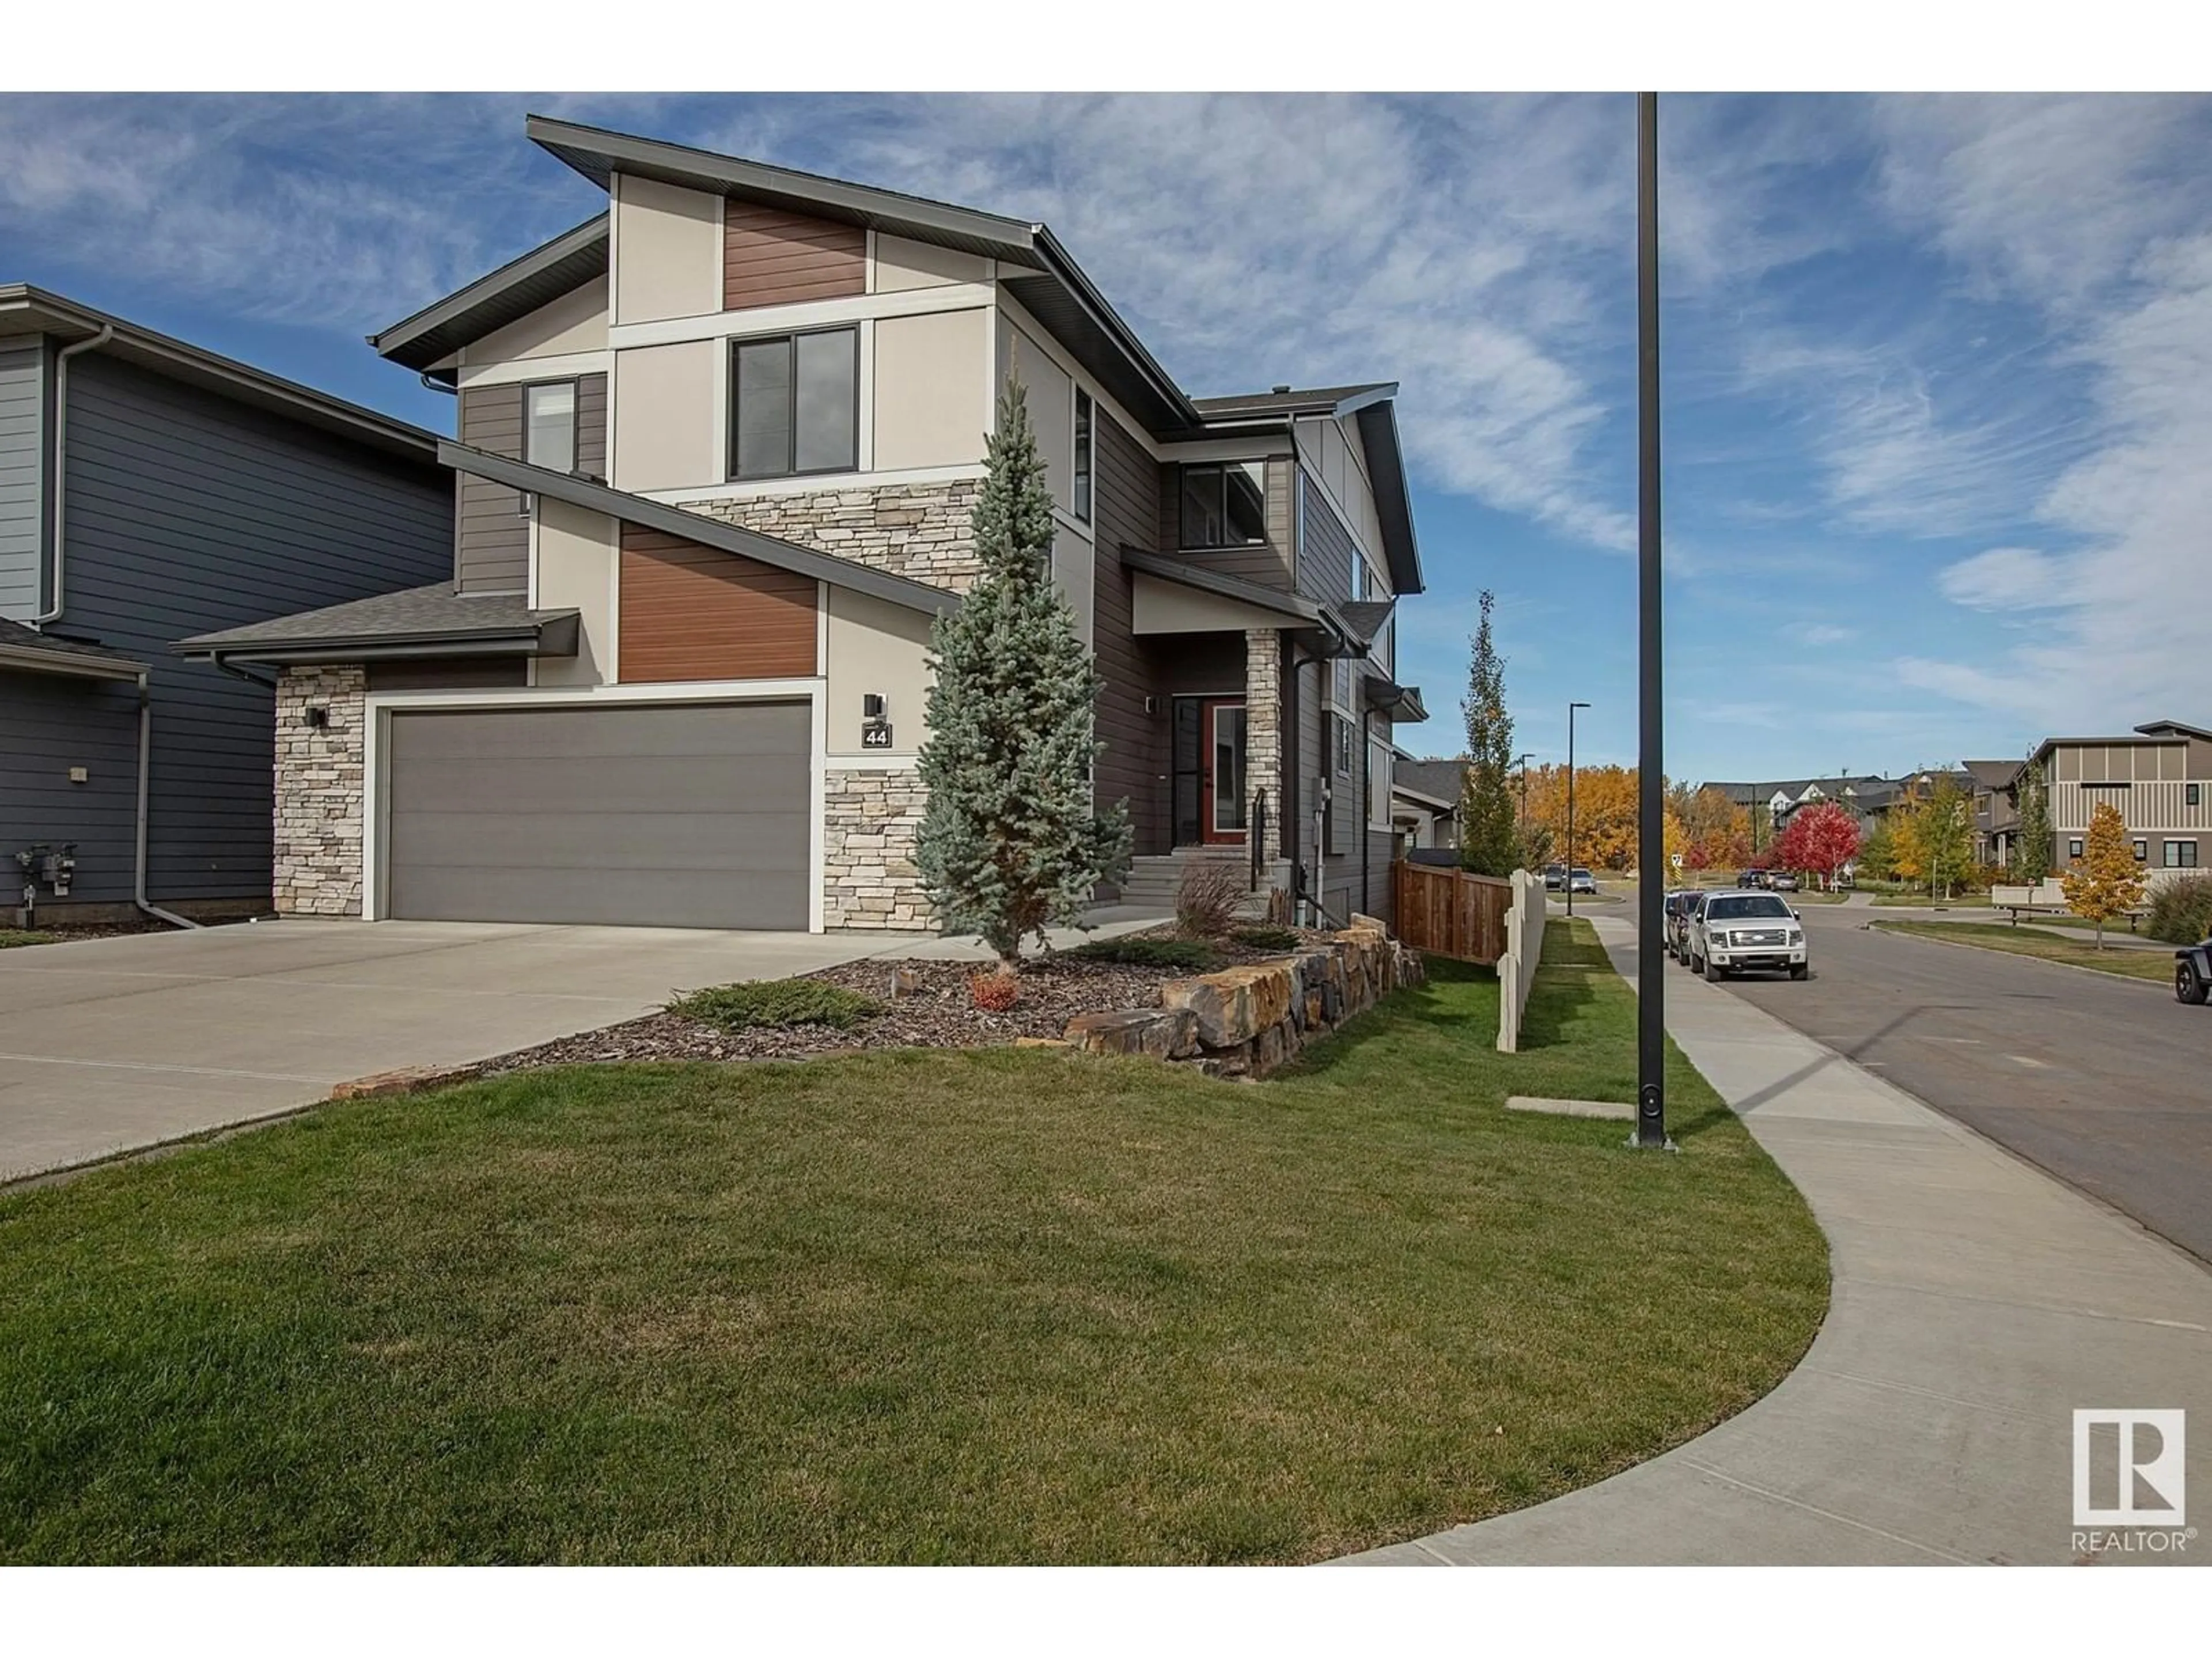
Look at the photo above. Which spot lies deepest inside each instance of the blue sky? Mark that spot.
(1939, 370)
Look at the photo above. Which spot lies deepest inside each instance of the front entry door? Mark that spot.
(1221, 791)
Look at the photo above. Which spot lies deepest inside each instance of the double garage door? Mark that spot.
(677, 816)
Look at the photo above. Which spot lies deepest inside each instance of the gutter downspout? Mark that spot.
(145, 766)
(52, 612)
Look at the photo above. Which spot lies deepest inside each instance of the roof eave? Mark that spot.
(1394, 505)
(399, 343)
(43, 312)
(74, 664)
(642, 510)
(551, 634)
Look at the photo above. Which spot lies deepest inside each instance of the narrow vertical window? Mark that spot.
(1082, 487)
(549, 425)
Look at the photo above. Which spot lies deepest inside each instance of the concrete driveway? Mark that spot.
(114, 1044)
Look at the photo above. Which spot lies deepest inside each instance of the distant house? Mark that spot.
(150, 489)
(1992, 786)
(2158, 777)
(1772, 805)
(1425, 797)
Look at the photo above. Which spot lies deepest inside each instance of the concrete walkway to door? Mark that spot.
(1978, 1302)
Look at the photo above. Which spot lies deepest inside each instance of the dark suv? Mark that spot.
(1751, 878)
(2192, 973)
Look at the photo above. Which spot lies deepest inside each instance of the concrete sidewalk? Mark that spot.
(1977, 1303)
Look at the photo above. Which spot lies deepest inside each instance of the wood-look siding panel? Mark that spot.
(188, 514)
(591, 425)
(771, 257)
(491, 551)
(1127, 494)
(696, 613)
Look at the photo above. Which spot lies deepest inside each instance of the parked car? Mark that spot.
(1733, 931)
(1555, 878)
(1782, 882)
(2192, 974)
(1582, 882)
(1752, 879)
(1675, 919)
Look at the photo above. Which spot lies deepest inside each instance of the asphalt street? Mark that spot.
(2105, 1083)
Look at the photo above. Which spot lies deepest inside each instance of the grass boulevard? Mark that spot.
(2122, 963)
(985, 1306)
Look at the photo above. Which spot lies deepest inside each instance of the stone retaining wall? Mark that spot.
(1245, 1021)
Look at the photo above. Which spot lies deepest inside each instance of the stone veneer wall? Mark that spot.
(869, 877)
(919, 531)
(320, 791)
(1263, 718)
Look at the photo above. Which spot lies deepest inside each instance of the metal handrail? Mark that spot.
(1258, 837)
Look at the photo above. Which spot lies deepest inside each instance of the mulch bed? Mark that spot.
(936, 1012)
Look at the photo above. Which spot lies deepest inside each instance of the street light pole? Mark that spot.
(1524, 763)
(1651, 835)
(1571, 804)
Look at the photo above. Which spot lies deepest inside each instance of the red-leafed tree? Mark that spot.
(1821, 838)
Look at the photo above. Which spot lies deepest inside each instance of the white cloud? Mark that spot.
(1825, 633)
(2006, 579)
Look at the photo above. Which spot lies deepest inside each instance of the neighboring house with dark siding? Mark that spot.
(717, 452)
(150, 491)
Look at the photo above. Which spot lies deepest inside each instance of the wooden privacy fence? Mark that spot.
(1449, 913)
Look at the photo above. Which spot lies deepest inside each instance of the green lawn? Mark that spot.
(1921, 902)
(10, 937)
(2157, 965)
(1011, 1305)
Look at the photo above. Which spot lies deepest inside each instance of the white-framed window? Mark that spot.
(549, 425)
(2074, 846)
(1085, 422)
(795, 404)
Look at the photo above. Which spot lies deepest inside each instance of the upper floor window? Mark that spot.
(1224, 504)
(795, 405)
(549, 425)
(1080, 490)
(2192, 794)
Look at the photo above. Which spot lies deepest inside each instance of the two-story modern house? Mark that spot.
(717, 450)
(150, 489)
(2158, 778)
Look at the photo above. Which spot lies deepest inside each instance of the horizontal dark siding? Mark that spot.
(1268, 563)
(771, 257)
(189, 513)
(49, 723)
(591, 425)
(1325, 560)
(492, 552)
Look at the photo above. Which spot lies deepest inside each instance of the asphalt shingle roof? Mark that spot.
(411, 613)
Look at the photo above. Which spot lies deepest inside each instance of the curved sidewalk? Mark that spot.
(1977, 1303)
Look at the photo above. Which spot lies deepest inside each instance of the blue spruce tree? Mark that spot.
(1010, 844)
